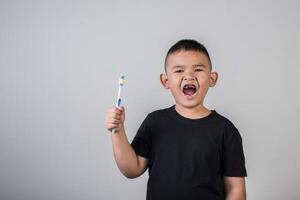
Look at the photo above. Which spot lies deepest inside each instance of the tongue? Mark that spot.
(189, 91)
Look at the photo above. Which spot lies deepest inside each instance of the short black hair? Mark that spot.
(188, 45)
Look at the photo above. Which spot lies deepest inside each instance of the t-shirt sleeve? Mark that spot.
(141, 142)
(233, 159)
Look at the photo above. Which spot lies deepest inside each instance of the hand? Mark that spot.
(114, 119)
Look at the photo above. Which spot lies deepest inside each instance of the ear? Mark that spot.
(213, 79)
(164, 81)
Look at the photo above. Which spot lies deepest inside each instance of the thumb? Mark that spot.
(122, 109)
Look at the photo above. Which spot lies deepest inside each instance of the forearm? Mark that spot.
(124, 154)
(235, 188)
(236, 194)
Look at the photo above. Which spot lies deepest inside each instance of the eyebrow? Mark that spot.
(184, 66)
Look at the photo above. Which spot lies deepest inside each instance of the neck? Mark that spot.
(192, 112)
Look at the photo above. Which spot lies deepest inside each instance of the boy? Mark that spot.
(191, 152)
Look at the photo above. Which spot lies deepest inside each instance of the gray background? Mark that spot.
(60, 63)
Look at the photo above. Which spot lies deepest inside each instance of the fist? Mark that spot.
(114, 119)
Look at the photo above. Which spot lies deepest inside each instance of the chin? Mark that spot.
(189, 104)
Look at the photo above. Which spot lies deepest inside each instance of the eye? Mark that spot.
(198, 70)
(179, 71)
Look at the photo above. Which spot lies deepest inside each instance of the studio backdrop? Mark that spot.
(60, 62)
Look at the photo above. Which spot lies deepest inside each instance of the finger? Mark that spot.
(113, 110)
(117, 115)
(122, 110)
(114, 116)
(110, 121)
(114, 121)
(118, 110)
(110, 127)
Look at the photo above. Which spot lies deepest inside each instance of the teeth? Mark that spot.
(189, 86)
(189, 89)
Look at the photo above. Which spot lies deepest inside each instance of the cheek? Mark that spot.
(173, 82)
(203, 80)
(174, 87)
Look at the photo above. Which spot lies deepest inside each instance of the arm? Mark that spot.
(127, 161)
(235, 188)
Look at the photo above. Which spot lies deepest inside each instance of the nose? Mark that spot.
(189, 76)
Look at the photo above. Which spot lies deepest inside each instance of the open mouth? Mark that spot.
(189, 89)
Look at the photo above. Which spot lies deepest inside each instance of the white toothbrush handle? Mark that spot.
(118, 103)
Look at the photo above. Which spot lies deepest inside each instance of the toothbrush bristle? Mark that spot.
(121, 81)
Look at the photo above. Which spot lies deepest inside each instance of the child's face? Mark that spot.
(188, 76)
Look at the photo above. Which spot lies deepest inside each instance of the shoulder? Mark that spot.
(228, 127)
(159, 113)
(224, 121)
(157, 117)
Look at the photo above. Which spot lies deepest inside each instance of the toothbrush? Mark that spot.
(118, 103)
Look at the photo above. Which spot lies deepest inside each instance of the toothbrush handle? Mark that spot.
(118, 106)
(119, 100)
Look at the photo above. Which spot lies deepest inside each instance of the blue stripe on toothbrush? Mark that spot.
(119, 102)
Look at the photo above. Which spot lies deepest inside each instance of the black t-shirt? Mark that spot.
(188, 158)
